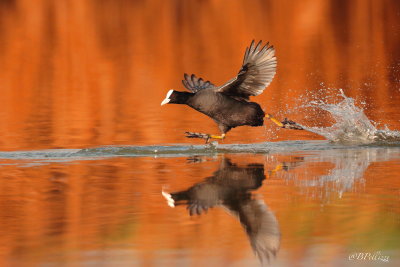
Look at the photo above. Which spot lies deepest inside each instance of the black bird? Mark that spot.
(230, 187)
(228, 105)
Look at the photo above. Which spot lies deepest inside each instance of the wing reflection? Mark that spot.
(230, 187)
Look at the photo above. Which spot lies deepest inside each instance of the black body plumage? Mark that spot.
(227, 111)
(228, 105)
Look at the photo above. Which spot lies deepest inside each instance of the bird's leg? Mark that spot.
(269, 116)
(222, 136)
(277, 168)
(207, 137)
(287, 124)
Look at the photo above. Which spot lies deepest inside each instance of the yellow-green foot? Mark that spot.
(286, 123)
(207, 137)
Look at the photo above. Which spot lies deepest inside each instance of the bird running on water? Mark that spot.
(228, 105)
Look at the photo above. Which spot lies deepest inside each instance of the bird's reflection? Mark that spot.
(230, 187)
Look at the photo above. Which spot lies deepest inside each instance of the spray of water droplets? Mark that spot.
(350, 124)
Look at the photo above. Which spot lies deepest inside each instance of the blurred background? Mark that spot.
(93, 72)
(85, 73)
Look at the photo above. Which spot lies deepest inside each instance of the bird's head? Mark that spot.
(176, 97)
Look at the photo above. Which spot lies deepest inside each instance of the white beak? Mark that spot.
(170, 200)
(166, 100)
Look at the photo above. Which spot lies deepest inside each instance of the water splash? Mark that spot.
(351, 124)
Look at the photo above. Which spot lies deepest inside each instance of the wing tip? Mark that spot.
(257, 50)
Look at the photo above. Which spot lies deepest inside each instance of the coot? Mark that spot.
(228, 105)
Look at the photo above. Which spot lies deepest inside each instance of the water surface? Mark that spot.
(305, 206)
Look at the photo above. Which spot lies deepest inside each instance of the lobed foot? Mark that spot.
(286, 123)
(207, 137)
(289, 124)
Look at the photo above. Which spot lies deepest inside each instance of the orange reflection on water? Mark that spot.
(111, 211)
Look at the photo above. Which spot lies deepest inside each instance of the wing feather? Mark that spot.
(194, 84)
(257, 71)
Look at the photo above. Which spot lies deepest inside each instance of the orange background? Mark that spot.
(87, 73)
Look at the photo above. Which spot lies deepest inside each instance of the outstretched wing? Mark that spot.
(257, 72)
(194, 84)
